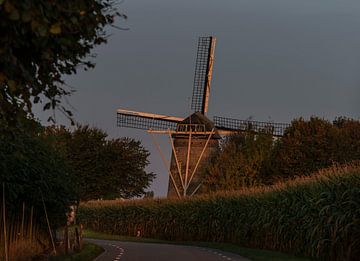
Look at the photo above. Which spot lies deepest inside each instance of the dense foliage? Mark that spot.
(314, 144)
(246, 159)
(41, 41)
(317, 217)
(103, 168)
(238, 164)
(33, 172)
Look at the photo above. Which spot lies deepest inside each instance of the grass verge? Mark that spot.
(251, 253)
(88, 253)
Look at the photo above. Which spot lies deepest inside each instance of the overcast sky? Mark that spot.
(274, 60)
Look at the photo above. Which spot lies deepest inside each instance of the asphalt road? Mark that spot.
(131, 251)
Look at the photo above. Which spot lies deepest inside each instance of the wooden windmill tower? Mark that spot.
(193, 139)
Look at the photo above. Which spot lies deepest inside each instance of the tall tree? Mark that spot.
(238, 164)
(40, 41)
(309, 145)
(103, 168)
(247, 159)
(32, 171)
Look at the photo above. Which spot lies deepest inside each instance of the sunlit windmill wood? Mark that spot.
(195, 138)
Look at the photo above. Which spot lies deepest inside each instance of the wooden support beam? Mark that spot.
(201, 155)
(176, 159)
(187, 164)
(167, 166)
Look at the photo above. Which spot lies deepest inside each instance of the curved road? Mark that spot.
(132, 251)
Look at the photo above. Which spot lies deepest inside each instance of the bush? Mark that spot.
(239, 162)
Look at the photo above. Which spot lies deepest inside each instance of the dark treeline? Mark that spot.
(32, 172)
(103, 168)
(46, 170)
(41, 42)
(63, 167)
(249, 159)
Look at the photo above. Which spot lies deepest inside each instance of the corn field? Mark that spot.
(317, 217)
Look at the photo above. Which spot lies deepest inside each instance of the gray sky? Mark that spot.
(274, 59)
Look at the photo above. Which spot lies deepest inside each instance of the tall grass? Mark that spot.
(24, 238)
(317, 216)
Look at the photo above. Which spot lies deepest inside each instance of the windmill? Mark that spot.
(195, 138)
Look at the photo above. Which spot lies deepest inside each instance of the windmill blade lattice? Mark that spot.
(229, 124)
(146, 121)
(202, 78)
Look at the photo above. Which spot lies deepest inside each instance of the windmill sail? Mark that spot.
(203, 73)
(146, 121)
(228, 125)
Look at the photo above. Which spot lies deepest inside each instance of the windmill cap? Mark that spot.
(201, 119)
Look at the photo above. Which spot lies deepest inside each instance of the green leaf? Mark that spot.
(8, 7)
(34, 25)
(25, 16)
(12, 85)
(36, 22)
(74, 20)
(14, 15)
(55, 28)
(47, 106)
(2, 77)
(42, 30)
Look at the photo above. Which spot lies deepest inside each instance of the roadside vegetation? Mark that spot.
(44, 172)
(315, 216)
(41, 42)
(88, 253)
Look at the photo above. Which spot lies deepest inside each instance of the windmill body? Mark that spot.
(195, 138)
(194, 143)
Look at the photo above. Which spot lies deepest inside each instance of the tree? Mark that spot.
(32, 171)
(41, 41)
(247, 159)
(347, 144)
(310, 145)
(103, 168)
(238, 164)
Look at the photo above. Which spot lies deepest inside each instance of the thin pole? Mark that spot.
(4, 220)
(187, 163)
(165, 163)
(66, 238)
(202, 153)
(22, 220)
(31, 222)
(176, 159)
(48, 224)
(196, 189)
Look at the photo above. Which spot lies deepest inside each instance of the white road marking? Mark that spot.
(215, 253)
(117, 252)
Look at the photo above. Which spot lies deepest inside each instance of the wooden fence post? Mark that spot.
(48, 223)
(66, 239)
(4, 220)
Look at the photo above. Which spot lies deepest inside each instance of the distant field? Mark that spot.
(317, 216)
